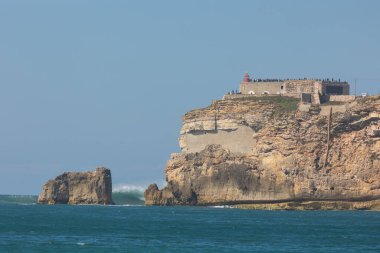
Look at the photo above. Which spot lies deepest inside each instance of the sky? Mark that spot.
(105, 83)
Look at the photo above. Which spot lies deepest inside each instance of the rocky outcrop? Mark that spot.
(286, 156)
(91, 187)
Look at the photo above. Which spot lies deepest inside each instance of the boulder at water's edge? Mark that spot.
(90, 187)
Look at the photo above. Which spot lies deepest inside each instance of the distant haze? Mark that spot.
(105, 83)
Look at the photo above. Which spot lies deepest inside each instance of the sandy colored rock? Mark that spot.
(285, 161)
(91, 187)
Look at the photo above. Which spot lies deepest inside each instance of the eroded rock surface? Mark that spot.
(285, 156)
(92, 187)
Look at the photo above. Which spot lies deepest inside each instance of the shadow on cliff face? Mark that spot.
(172, 194)
(183, 195)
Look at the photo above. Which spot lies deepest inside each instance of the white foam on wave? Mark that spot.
(124, 187)
(128, 188)
(136, 190)
(127, 205)
(222, 206)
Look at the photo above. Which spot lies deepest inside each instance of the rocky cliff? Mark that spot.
(92, 187)
(265, 153)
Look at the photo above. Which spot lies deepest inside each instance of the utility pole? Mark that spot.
(365, 79)
(216, 110)
(329, 125)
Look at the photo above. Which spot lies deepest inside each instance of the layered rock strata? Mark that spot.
(264, 151)
(91, 187)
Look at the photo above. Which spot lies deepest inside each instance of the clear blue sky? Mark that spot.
(105, 83)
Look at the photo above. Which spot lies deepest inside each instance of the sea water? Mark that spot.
(65, 228)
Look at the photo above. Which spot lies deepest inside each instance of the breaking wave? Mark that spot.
(123, 194)
(18, 199)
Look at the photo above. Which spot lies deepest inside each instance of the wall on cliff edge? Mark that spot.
(235, 132)
(236, 139)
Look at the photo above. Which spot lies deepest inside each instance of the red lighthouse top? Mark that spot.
(246, 78)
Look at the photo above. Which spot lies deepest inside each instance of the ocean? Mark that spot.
(27, 227)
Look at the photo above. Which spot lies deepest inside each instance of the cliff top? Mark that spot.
(270, 106)
(265, 104)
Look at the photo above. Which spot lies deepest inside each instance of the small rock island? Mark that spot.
(90, 187)
(278, 144)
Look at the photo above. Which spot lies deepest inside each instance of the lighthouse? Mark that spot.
(246, 78)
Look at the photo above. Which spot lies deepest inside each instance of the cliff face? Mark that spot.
(92, 187)
(263, 151)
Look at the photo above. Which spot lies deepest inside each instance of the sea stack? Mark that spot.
(277, 152)
(90, 187)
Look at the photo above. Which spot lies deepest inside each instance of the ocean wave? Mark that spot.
(125, 194)
(18, 199)
(116, 205)
(122, 194)
(127, 188)
(225, 206)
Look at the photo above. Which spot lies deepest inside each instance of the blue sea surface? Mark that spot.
(65, 228)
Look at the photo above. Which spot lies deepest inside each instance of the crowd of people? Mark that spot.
(332, 80)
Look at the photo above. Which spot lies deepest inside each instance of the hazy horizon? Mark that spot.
(96, 83)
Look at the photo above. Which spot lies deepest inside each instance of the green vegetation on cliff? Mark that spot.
(283, 104)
